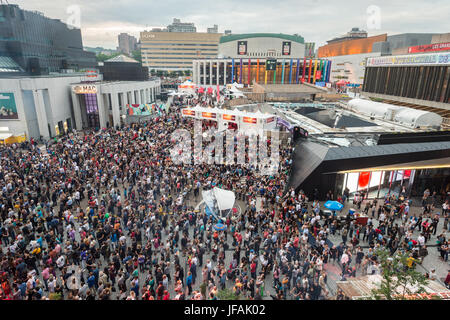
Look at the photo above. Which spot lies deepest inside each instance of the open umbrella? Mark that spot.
(333, 205)
(220, 227)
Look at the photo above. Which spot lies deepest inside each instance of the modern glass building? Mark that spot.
(40, 45)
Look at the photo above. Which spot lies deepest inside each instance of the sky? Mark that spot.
(316, 20)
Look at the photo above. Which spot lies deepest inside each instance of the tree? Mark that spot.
(398, 278)
(187, 73)
(137, 55)
(227, 294)
(103, 57)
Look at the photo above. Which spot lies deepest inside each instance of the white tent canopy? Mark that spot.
(219, 199)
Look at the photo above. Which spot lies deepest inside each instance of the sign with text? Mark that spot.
(271, 64)
(187, 112)
(286, 49)
(208, 115)
(250, 120)
(84, 89)
(242, 48)
(410, 60)
(430, 47)
(228, 117)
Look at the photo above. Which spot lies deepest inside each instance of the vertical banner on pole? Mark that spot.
(324, 65)
(232, 70)
(275, 73)
(328, 71)
(282, 71)
(297, 71)
(249, 70)
(310, 70)
(304, 69)
(240, 71)
(290, 72)
(315, 71)
(257, 70)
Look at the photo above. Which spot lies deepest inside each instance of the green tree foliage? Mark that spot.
(136, 55)
(228, 294)
(103, 57)
(398, 279)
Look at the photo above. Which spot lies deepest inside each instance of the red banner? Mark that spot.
(430, 47)
(228, 117)
(363, 181)
(187, 112)
(208, 115)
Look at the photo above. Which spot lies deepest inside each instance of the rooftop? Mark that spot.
(234, 37)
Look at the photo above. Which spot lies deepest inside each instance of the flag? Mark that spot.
(218, 93)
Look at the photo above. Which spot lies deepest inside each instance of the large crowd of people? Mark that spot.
(108, 215)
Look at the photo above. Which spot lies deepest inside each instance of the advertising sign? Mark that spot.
(84, 89)
(269, 120)
(8, 108)
(208, 115)
(286, 49)
(410, 60)
(271, 64)
(228, 117)
(250, 120)
(318, 75)
(430, 47)
(242, 47)
(187, 112)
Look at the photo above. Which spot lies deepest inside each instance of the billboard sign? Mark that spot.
(271, 64)
(8, 108)
(410, 60)
(286, 49)
(242, 48)
(84, 89)
(430, 47)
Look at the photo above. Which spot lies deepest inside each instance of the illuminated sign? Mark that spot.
(84, 89)
(410, 60)
(242, 47)
(249, 120)
(208, 115)
(286, 49)
(430, 47)
(228, 117)
(187, 112)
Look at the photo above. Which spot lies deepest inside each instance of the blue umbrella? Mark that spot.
(334, 205)
(220, 227)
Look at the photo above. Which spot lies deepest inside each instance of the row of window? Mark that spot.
(179, 49)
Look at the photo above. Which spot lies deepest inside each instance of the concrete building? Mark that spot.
(214, 29)
(127, 43)
(178, 26)
(103, 104)
(418, 81)
(262, 45)
(40, 45)
(175, 51)
(40, 106)
(353, 34)
(246, 71)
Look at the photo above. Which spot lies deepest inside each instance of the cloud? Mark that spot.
(315, 20)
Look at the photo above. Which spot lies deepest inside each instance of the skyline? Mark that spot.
(315, 20)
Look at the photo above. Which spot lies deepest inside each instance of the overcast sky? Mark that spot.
(316, 20)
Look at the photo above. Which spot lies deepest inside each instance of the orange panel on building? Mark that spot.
(347, 47)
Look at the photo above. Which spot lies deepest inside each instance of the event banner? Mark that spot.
(8, 108)
(142, 109)
(242, 48)
(286, 49)
(430, 47)
(271, 64)
(410, 60)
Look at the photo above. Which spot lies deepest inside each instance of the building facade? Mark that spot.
(38, 106)
(104, 104)
(262, 45)
(213, 72)
(419, 80)
(123, 68)
(40, 45)
(174, 51)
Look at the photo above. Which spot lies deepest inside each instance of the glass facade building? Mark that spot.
(39, 44)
